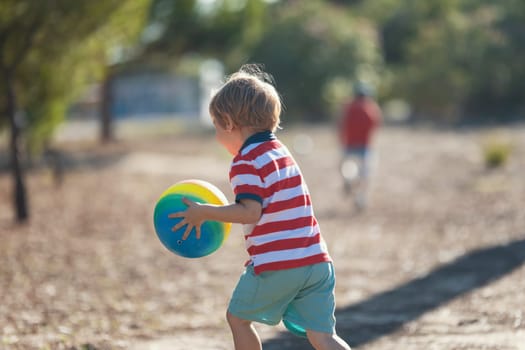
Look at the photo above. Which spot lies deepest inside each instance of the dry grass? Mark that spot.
(88, 272)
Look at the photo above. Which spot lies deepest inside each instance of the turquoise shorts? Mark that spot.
(303, 298)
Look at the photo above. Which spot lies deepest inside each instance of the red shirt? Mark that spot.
(287, 234)
(360, 118)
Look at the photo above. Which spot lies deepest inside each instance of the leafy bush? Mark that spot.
(311, 47)
(496, 153)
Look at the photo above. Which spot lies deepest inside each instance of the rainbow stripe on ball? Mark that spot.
(213, 233)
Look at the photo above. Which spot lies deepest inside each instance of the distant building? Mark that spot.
(147, 94)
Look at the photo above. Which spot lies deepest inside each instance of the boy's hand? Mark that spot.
(192, 217)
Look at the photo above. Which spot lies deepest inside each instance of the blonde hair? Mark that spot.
(249, 99)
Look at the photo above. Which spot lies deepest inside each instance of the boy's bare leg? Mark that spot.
(326, 341)
(244, 335)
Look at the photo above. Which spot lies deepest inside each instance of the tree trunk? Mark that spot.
(106, 102)
(19, 188)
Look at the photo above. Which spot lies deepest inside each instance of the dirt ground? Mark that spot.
(435, 262)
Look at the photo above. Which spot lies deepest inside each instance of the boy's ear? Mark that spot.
(228, 123)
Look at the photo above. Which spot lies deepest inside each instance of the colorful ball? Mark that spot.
(213, 233)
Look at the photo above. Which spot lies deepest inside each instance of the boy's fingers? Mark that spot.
(176, 215)
(198, 232)
(187, 232)
(179, 225)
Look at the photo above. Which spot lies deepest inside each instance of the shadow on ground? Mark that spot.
(386, 312)
(62, 161)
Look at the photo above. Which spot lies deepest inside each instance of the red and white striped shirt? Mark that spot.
(287, 234)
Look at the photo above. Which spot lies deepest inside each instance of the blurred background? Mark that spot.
(440, 62)
(104, 104)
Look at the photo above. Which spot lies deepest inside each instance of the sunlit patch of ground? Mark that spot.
(89, 271)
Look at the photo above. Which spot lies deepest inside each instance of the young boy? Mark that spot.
(289, 276)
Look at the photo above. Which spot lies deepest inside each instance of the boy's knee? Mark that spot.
(235, 321)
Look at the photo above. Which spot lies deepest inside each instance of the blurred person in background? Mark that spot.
(359, 121)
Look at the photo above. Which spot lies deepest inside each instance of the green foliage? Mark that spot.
(208, 28)
(312, 49)
(496, 152)
(452, 59)
(448, 58)
(55, 48)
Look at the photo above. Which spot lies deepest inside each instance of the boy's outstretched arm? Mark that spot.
(246, 211)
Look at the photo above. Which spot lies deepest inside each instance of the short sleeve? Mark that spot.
(246, 182)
